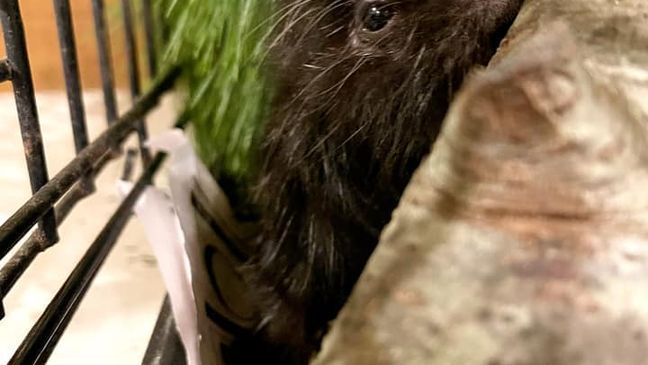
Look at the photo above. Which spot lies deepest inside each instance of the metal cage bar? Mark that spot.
(20, 261)
(134, 75)
(149, 25)
(71, 72)
(5, 70)
(26, 216)
(16, 47)
(43, 337)
(70, 63)
(165, 347)
(103, 49)
(53, 199)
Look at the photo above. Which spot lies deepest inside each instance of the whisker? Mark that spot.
(338, 86)
(315, 79)
(323, 13)
(288, 27)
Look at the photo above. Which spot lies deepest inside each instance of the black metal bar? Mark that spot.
(5, 70)
(69, 59)
(26, 216)
(164, 28)
(14, 36)
(71, 72)
(43, 337)
(165, 347)
(133, 74)
(129, 164)
(149, 26)
(18, 264)
(20, 261)
(103, 46)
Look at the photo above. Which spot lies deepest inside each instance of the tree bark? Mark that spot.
(523, 237)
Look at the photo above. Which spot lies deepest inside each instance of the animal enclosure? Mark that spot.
(33, 228)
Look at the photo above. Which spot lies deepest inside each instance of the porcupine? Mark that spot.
(362, 89)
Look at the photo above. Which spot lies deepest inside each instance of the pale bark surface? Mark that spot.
(523, 238)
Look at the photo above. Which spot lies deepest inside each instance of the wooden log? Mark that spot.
(523, 237)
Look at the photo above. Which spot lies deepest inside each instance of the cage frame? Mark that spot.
(54, 197)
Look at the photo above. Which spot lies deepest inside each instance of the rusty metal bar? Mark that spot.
(70, 63)
(103, 47)
(149, 26)
(20, 261)
(43, 337)
(42, 201)
(14, 36)
(5, 70)
(133, 74)
(71, 72)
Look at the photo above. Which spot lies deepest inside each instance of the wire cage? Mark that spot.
(55, 197)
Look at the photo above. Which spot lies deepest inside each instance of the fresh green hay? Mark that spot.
(219, 44)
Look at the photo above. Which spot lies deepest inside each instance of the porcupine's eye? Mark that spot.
(376, 17)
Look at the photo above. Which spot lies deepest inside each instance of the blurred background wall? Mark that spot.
(42, 43)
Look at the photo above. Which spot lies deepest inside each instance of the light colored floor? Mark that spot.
(114, 322)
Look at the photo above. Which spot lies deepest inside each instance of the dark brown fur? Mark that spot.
(356, 112)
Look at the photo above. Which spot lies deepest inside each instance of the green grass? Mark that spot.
(220, 47)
